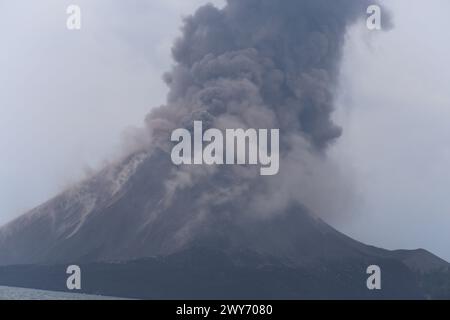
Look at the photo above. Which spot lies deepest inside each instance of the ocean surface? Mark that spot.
(8, 293)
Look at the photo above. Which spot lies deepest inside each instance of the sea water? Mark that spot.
(8, 293)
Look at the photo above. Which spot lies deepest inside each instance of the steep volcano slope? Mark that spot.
(168, 250)
(123, 213)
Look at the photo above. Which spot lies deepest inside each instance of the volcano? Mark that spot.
(117, 225)
(144, 227)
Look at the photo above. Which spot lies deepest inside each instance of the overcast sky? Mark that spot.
(395, 110)
(66, 99)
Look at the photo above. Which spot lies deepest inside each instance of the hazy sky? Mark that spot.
(66, 99)
(395, 110)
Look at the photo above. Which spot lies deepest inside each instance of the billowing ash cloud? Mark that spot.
(261, 64)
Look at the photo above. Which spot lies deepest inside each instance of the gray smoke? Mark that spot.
(261, 64)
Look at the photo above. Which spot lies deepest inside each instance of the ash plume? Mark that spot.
(261, 64)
